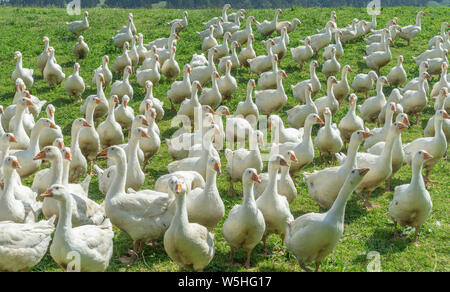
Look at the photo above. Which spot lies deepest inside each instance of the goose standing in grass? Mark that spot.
(377, 60)
(124, 114)
(328, 139)
(151, 145)
(302, 54)
(342, 88)
(397, 75)
(272, 100)
(298, 114)
(53, 73)
(313, 236)
(262, 63)
(429, 130)
(245, 226)
(104, 69)
(414, 83)
(331, 67)
(442, 83)
(364, 82)
(268, 80)
(89, 141)
(190, 245)
(123, 87)
(395, 97)
(436, 146)
(213, 20)
(274, 207)
(122, 37)
(415, 101)
(211, 96)
(227, 84)
(329, 100)
(25, 74)
(42, 60)
(110, 131)
(248, 109)
(248, 52)
(327, 53)
(170, 68)
(79, 26)
(210, 41)
(266, 28)
(412, 204)
(122, 61)
(152, 74)
(74, 85)
(49, 135)
(411, 31)
(299, 89)
(131, 23)
(182, 22)
(93, 244)
(371, 107)
(81, 49)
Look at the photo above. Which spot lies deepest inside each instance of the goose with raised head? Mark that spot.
(437, 52)
(110, 131)
(74, 85)
(190, 245)
(189, 106)
(122, 37)
(89, 141)
(23, 73)
(248, 108)
(329, 100)
(53, 73)
(397, 75)
(124, 114)
(143, 215)
(214, 20)
(299, 89)
(232, 27)
(49, 135)
(280, 47)
(248, 52)
(302, 54)
(241, 36)
(323, 39)
(411, 204)
(192, 179)
(123, 87)
(211, 96)
(304, 151)
(155, 102)
(204, 205)
(286, 186)
(240, 13)
(394, 97)
(103, 69)
(414, 102)
(123, 60)
(411, 31)
(12, 209)
(331, 66)
(163, 43)
(209, 41)
(102, 107)
(81, 49)
(218, 30)
(298, 114)
(223, 49)
(26, 157)
(262, 63)
(272, 100)
(170, 69)
(135, 176)
(290, 25)
(131, 23)
(183, 21)
(138, 121)
(350, 33)
(375, 46)
(342, 88)
(23, 141)
(241, 159)
(429, 130)
(398, 155)
(245, 226)
(24, 245)
(85, 211)
(268, 80)
(380, 134)
(28, 118)
(151, 74)
(327, 53)
(328, 139)
(266, 28)
(93, 244)
(42, 59)
(324, 185)
(222, 66)
(312, 237)
(436, 64)
(151, 145)
(142, 51)
(227, 84)
(443, 34)
(364, 82)
(180, 90)
(436, 146)
(377, 60)
(82, 188)
(202, 74)
(273, 206)
(79, 26)
(78, 165)
(414, 83)
(372, 106)
(442, 83)
(380, 165)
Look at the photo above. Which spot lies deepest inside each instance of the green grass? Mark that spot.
(23, 30)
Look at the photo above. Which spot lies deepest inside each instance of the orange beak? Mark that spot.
(217, 167)
(12, 139)
(40, 155)
(103, 153)
(86, 124)
(320, 122)
(427, 155)
(68, 156)
(145, 135)
(53, 126)
(256, 178)
(15, 164)
(47, 194)
(293, 157)
(367, 135)
(363, 171)
(145, 122)
(179, 188)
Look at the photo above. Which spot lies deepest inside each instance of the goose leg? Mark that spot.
(427, 180)
(247, 262)
(317, 266)
(415, 236)
(172, 107)
(230, 188)
(91, 165)
(231, 256)
(133, 253)
(266, 251)
(305, 268)
(388, 184)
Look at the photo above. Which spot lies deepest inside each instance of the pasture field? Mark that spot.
(365, 231)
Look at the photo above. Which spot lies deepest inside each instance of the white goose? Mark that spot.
(371, 107)
(25, 74)
(110, 131)
(328, 139)
(299, 89)
(49, 135)
(78, 165)
(298, 114)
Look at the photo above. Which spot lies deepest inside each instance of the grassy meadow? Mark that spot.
(365, 232)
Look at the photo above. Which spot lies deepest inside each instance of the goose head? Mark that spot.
(275, 123)
(250, 176)
(360, 135)
(59, 142)
(101, 80)
(348, 69)
(207, 109)
(66, 153)
(223, 111)
(187, 69)
(57, 192)
(373, 75)
(314, 119)
(11, 163)
(20, 85)
(93, 101)
(290, 157)
(442, 115)
(80, 123)
(139, 133)
(17, 55)
(277, 161)
(125, 101)
(177, 186)
(126, 46)
(422, 156)
(117, 154)
(113, 100)
(425, 76)
(281, 74)
(383, 81)
(140, 121)
(46, 40)
(357, 175)
(403, 118)
(6, 140)
(48, 153)
(214, 165)
(86, 14)
(251, 84)
(80, 39)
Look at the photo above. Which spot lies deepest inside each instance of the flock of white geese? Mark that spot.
(185, 205)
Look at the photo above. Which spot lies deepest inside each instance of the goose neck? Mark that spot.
(57, 170)
(272, 187)
(417, 178)
(350, 162)
(210, 183)
(249, 194)
(118, 185)
(337, 211)
(65, 217)
(181, 215)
